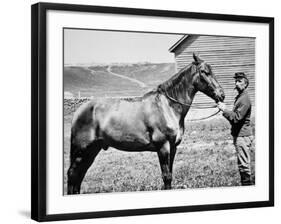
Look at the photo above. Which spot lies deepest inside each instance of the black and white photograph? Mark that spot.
(142, 111)
(147, 111)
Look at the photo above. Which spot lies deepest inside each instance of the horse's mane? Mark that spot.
(176, 84)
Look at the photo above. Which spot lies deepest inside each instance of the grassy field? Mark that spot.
(205, 158)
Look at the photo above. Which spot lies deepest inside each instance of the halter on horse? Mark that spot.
(153, 122)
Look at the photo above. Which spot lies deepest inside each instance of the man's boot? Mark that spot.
(245, 179)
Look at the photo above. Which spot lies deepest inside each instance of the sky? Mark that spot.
(96, 46)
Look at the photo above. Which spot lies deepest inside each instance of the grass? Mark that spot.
(205, 158)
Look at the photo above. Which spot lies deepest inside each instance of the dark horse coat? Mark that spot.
(153, 122)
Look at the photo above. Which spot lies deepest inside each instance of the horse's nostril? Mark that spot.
(222, 93)
(222, 96)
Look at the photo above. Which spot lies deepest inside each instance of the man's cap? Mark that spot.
(238, 75)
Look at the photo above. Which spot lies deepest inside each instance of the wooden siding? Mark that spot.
(226, 55)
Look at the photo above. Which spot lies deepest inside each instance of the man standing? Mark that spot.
(241, 131)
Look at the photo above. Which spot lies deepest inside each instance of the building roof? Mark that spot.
(175, 46)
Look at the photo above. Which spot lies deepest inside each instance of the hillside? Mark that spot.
(151, 74)
(100, 81)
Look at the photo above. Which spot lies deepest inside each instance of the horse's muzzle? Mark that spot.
(220, 96)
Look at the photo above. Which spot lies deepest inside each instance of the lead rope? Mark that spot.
(189, 105)
(204, 118)
(197, 107)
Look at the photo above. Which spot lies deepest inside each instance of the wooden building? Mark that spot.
(226, 55)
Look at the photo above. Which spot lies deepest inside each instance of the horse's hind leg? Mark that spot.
(81, 159)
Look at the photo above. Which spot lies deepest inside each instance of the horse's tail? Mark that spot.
(73, 148)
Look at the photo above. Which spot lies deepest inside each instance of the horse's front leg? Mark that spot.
(166, 157)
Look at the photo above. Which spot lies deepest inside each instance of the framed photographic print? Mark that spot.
(139, 111)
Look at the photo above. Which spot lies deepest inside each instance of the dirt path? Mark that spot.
(141, 84)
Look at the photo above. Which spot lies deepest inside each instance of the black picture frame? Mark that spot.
(39, 109)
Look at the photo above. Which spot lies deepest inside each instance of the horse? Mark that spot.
(153, 122)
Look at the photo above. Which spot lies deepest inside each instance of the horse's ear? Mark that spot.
(196, 58)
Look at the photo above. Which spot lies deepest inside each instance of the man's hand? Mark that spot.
(221, 106)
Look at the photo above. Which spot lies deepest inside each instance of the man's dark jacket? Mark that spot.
(239, 117)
